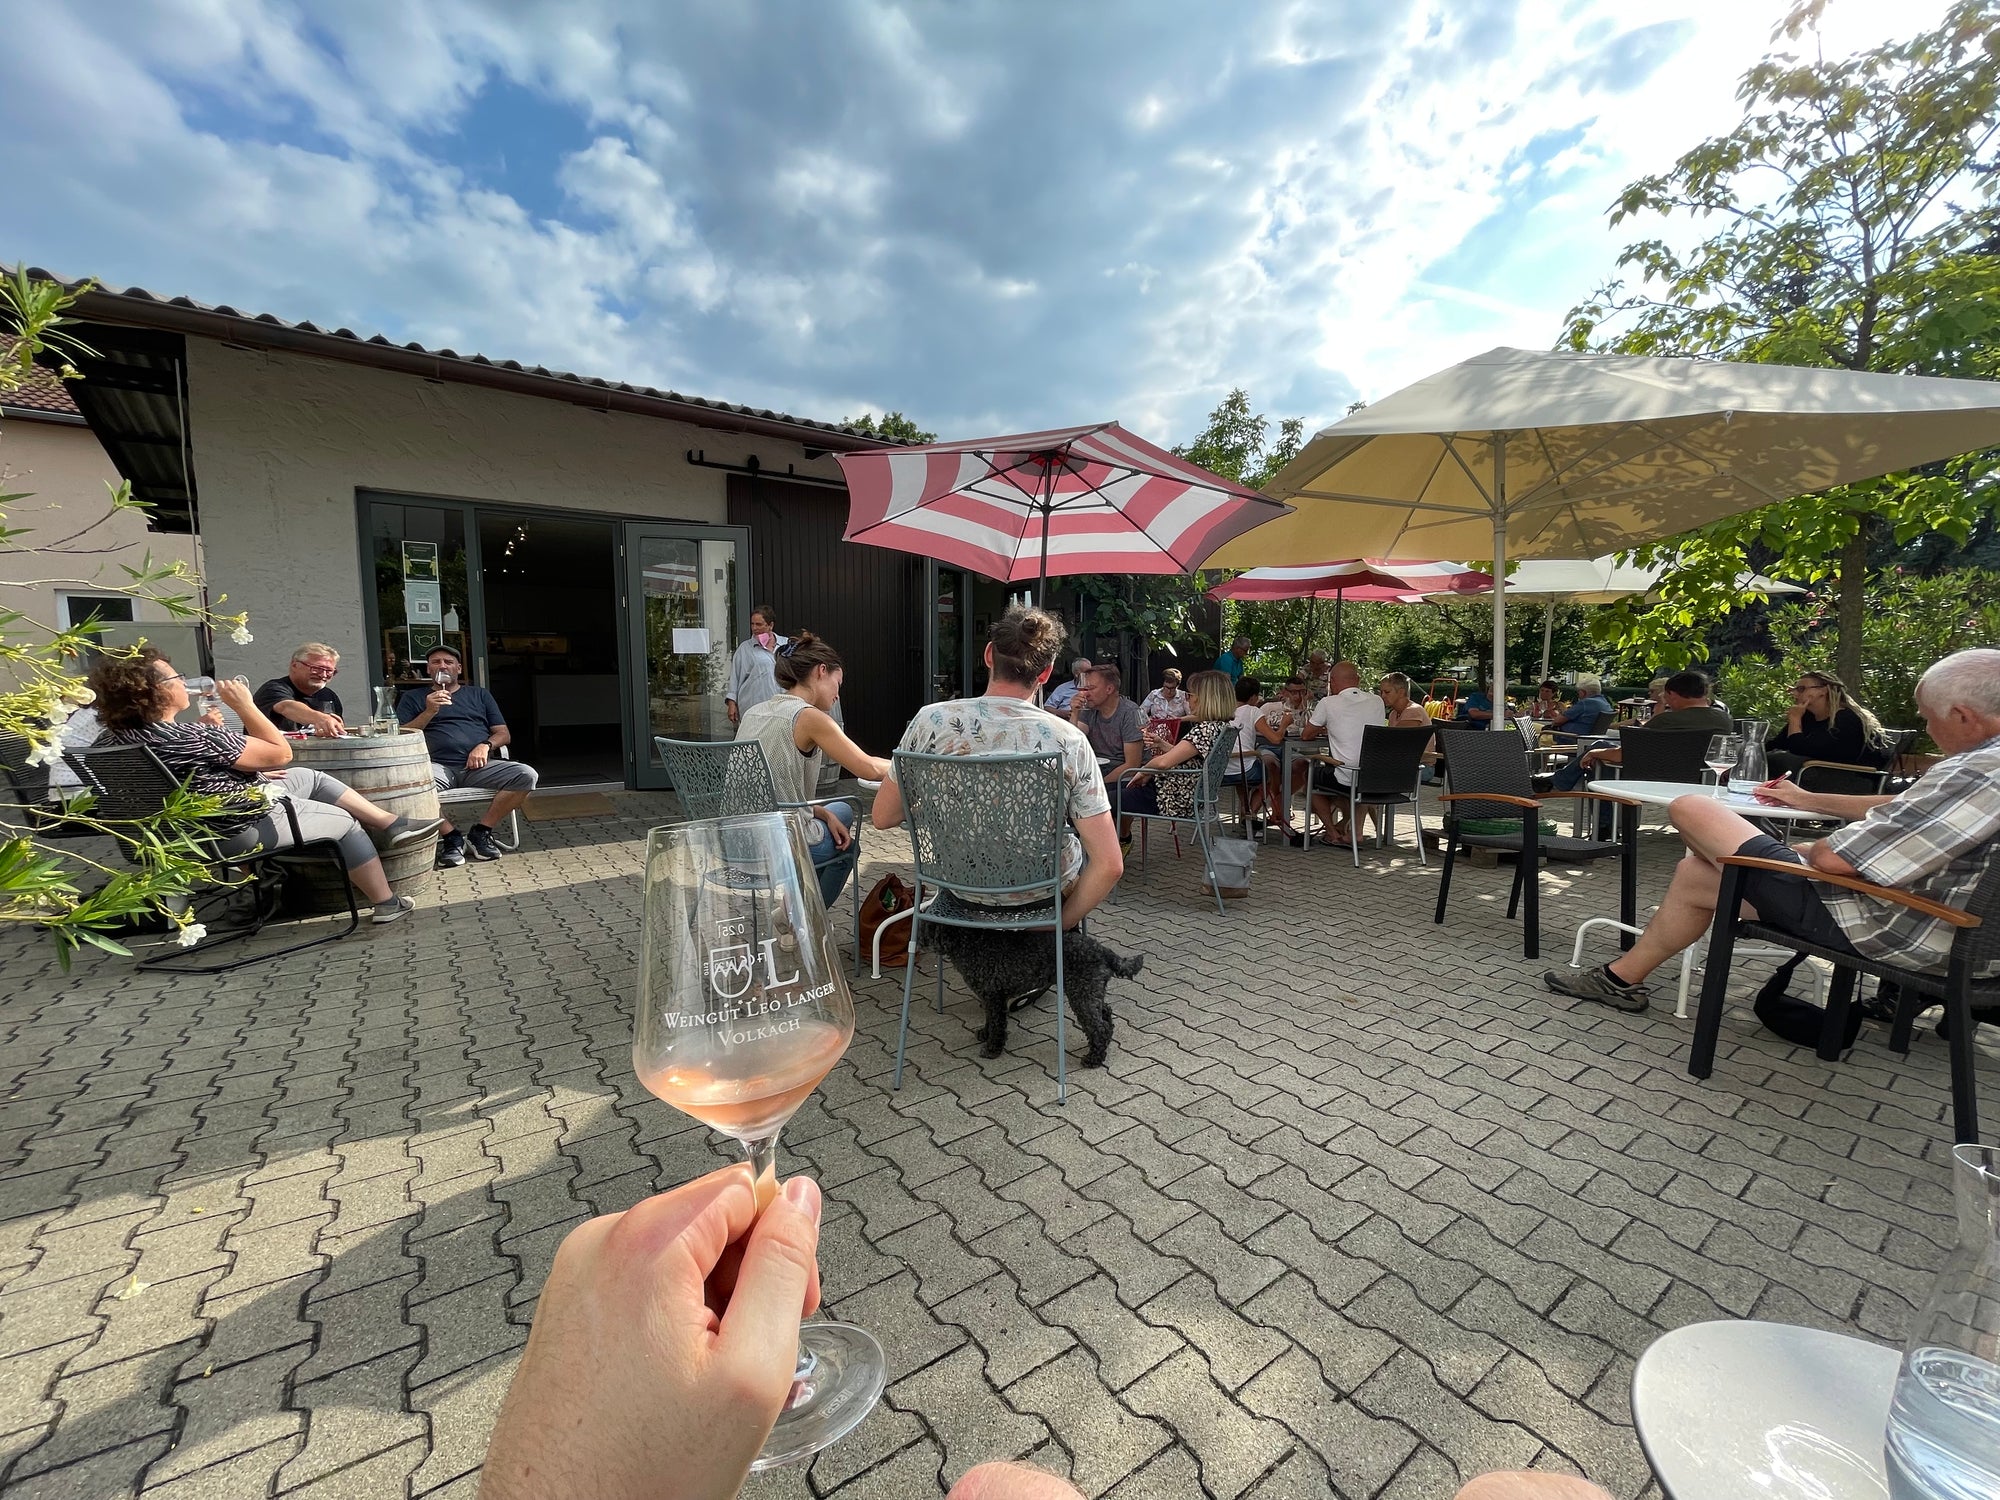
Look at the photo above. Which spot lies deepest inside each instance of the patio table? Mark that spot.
(1634, 795)
(1734, 1408)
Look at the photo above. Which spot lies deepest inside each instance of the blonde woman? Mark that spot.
(1212, 700)
(1826, 724)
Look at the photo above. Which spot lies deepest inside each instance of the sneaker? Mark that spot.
(480, 843)
(451, 851)
(1595, 984)
(404, 831)
(393, 910)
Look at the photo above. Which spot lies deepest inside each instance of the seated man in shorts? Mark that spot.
(1934, 840)
(462, 726)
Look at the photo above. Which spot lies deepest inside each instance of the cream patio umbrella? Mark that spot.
(1600, 580)
(1527, 453)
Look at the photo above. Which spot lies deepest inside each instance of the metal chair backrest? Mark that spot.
(1482, 761)
(1602, 723)
(1391, 760)
(1661, 754)
(1215, 768)
(1895, 745)
(21, 785)
(1841, 779)
(986, 825)
(1529, 733)
(719, 778)
(129, 780)
(1982, 943)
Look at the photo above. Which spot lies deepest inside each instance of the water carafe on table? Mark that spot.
(1751, 769)
(1944, 1422)
(385, 710)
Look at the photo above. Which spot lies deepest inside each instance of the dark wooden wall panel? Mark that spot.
(866, 601)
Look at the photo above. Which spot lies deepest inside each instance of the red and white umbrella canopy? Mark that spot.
(1359, 578)
(1046, 504)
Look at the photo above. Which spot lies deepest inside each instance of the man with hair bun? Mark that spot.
(1004, 721)
(1935, 840)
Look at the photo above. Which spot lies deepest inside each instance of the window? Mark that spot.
(77, 608)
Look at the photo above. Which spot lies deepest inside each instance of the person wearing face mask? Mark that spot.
(753, 673)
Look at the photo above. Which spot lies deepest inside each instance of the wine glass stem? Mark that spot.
(763, 1158)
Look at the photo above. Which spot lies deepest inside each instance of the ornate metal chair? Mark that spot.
(128, 782)
(985, 827)
(1207, 778)
(726, 778)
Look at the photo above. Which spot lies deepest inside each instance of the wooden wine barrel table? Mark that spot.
(394, 772)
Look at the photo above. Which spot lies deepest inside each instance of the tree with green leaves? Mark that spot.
(70, 887)
(891, 427)
(1857, 230)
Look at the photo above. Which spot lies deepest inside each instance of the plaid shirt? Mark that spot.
(1936, 841)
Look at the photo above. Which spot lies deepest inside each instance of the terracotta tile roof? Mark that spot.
(39, 389)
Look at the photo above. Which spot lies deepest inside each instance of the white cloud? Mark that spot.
(983, 217)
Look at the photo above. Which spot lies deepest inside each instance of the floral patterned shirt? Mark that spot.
(995, 725)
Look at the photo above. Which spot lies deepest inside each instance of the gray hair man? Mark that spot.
(304, 697)
(1063, 698)
(1934, 840)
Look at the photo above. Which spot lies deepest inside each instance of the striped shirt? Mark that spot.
(1936, 840)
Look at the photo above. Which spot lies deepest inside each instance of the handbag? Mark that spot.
(891, 897)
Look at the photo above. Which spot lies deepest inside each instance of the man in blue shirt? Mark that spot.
(1234, 659)
(462, 726)
(1061, 700)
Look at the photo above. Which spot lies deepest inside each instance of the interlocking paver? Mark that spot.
(1347, 1231)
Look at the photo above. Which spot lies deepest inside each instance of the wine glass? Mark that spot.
(743, 1009)
(1723, 750)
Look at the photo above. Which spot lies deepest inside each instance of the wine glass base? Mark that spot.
(848, 1373)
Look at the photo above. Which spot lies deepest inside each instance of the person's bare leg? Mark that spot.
(366, 813)
(503, 803)
(1520, 1484)
(370, 881)
(997, 1481)
(1689, 907)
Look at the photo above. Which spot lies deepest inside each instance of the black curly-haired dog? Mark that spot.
(1006, 968)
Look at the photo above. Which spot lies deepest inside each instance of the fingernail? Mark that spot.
(803, 1194)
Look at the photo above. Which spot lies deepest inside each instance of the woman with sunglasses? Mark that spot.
(138, 697)
(1826, 724)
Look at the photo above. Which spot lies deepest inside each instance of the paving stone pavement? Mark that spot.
(1356, 1208)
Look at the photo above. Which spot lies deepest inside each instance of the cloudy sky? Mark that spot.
(991, 214)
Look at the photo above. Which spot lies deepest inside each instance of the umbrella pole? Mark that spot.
(1500, 582)
(1548, 635)
(1339, 599)
(1048, 503)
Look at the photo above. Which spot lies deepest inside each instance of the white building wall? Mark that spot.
(283, 441)
(66, 477)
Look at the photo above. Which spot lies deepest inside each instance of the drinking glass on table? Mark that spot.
(1723, 749)
(743, 1009)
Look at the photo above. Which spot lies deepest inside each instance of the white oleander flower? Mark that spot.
(241, 635)
(80, 695)
(45, 752)
(191, 934)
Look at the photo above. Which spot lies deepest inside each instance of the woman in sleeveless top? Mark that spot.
(798, 734)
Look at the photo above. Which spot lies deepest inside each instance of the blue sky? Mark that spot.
(991, 214)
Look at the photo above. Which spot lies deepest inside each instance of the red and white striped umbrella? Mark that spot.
(1360, 578)
(1077, 500)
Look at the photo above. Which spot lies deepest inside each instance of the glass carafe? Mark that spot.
(1751, 770)
(385, 709)
(1944, 1422)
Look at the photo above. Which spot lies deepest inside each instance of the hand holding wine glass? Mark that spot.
(743, 1009)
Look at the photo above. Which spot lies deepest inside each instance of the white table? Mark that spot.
(1637, 794)
(1730, 1410)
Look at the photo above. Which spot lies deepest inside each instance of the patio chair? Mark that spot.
(727, 778)
(26, 789)
(1490, 783)
(985, 826)
(1975, 946)
(458, 795)
(128, 782)
(1207, 779)
(1841, 779)
(1388, 775)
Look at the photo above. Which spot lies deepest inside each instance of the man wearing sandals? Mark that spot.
(1934, 840)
